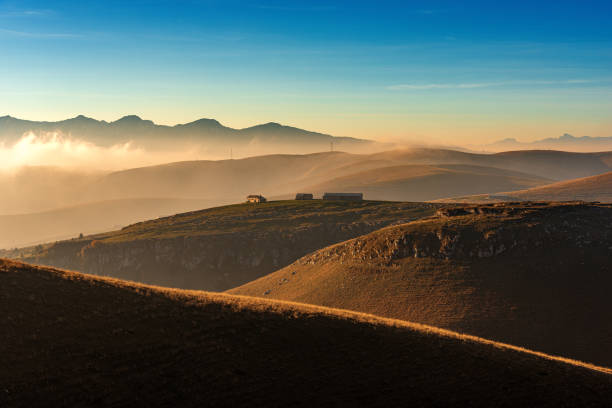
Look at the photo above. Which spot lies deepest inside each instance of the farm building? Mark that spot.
(256, 198)
(303, 196)
(343, 196)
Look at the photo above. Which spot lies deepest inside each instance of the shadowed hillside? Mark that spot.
(220, 248)
(535, 275)
(75, 340)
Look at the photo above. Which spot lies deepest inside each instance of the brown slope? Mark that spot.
(427, 182)
(532, 275)
(594, 188)
(75, 340)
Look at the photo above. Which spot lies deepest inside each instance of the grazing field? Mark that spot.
(531, 274)
(223, 247)
(69, 339)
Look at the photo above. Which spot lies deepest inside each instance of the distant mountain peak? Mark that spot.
(83, 118)
(130, 118)
(564, 142)
(133, 120)
(204, 122)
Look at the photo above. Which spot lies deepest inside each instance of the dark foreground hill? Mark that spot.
(68, 339)
(221, 248)
(535, 274)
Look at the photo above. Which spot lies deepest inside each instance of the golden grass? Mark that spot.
(259, 304)
(537, 287)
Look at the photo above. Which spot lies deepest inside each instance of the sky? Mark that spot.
(440, 72)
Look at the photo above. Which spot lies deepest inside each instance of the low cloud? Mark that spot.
(54, 149)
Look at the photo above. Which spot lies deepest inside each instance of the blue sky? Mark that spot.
(436, 71)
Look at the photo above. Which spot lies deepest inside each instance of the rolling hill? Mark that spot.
(535, 275)
(284, 174)
(594, 188)
(427, 182)
(220, 248)
(550, 164)
(405, 175)
(69, 339)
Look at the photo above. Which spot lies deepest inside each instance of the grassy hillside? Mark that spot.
(536, 275)
(75, 340)
(223, 247)
(594, 188)
(428, 182)
(68, 222)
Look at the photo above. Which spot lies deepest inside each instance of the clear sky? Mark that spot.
(434, 71)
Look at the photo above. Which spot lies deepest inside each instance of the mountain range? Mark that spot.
(209, 132)
(565, 142)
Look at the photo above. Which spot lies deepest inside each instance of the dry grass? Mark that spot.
(221, 248)
(69, 339)
(593, 188)
(535, 275)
